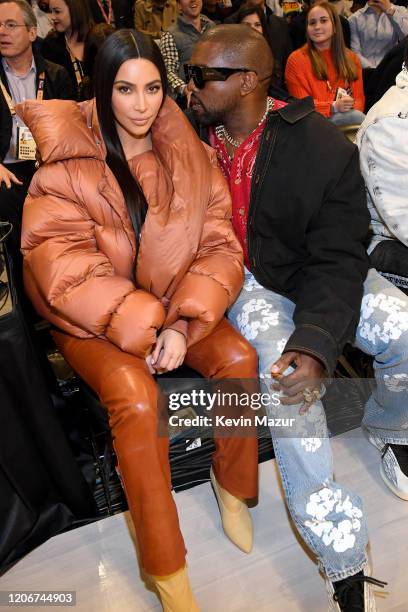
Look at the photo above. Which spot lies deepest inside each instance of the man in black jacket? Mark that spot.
(299, 210)
(24, 74)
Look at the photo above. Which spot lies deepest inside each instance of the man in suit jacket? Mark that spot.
(24, 74)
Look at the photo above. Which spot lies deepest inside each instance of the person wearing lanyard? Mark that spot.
(72, 22)
(24, 75)
(118, 13)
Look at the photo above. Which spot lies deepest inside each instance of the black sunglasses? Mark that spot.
(202, 74)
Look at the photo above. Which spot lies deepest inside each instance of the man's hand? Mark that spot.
(382, 5)
(344, 104)
(8, 177)
(308, 374)
(169, 351)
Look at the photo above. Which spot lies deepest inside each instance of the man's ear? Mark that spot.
(32, 33)
(249, 82)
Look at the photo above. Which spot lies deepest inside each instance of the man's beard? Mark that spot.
(204, 116)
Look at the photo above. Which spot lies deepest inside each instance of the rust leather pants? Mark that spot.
(129, 392)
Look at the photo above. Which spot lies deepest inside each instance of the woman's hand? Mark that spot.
(344, 104)
(149, 364)
(189, 89)
(169, 351)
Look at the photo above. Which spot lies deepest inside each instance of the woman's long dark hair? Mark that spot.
(253, 9)
(81, 18)
(121, 46)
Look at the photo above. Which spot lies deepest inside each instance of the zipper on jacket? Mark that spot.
(269, 136)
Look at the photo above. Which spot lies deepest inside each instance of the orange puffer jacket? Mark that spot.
(78, 242)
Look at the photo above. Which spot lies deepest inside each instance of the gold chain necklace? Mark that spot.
(222, 133)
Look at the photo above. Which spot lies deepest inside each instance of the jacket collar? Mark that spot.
(367, 8)
(187, 26)
(66, 130)
(38, 58)
(295, 111)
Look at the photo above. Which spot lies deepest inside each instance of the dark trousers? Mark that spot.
(11, 209)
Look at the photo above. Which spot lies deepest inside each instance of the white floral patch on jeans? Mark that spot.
(251, 283)
(263, 319)
(320, 505)
(311, 445)
(311, 426)
(396, 382)
(394, 324)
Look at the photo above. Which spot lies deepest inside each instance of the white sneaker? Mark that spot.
(394, 466)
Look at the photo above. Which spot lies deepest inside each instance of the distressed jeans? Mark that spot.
(329, 516)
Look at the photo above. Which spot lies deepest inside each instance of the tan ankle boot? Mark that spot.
(235, 517)
(175, 592)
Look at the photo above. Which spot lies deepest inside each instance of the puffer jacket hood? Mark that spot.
(78, 241)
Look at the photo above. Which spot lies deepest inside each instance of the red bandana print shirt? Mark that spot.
(238, 173)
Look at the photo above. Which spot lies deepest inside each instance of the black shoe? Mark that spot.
(352, 594)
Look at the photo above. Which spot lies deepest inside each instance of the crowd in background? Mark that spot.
(69, 32)
(344, 55)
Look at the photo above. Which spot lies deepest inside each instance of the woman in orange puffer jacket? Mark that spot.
(129, 251)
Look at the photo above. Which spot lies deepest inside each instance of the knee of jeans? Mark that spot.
(301, 503)
(129, 394)
(392, 351)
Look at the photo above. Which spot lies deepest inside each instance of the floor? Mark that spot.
(98, 561)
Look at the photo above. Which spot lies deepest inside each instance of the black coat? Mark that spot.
(383, 77)
(54, 49)
(122, 12)
(307, 223)
(57, 84)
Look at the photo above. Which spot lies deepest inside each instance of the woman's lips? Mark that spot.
(140, 121)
